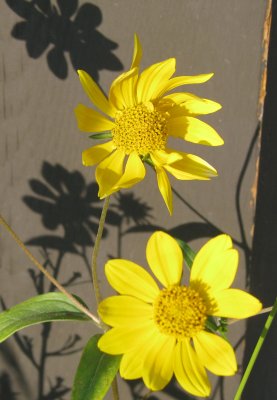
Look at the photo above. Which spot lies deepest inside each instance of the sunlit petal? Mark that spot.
(131, 365)
(95, 94)
(89, 120)
(134, 172)
(220, 270)
(189, 371)
(183, 80)
(215, 353)
(205, 257)
(129, 278)
(164, 188)
(152, 78)
(123, 90)
(96, 154)
(189, 104)
(108, 173)
(158, 363)
(235, 303)
(190, 167)
(137, 52)
(125, 311)
(165, 157)
(165, 258)
(121, 340)
(193, 130)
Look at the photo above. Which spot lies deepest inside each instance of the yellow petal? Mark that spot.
(189, 371)
(165, 258)
(164, 188)
(95, 94)
(134, 172)
(123, 90)
(219, 271)
(189, 104)
(191, 167)
(193, 130)
(152, 78)
(165, 157)
(184, 80)
(158, 363)
(205, 257)
(137, 52)
(121, 340)
(215, 353)
(96, 154)
(108, 173)
(235, 303)
(89, 120)
(124, 311)
(129, 278)
(131, 365)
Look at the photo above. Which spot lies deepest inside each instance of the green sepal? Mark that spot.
(148, 160)
(95, 372)
(102, 135)
(188, 253)
(43, 308)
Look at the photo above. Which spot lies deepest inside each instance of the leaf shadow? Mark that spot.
(63, 28)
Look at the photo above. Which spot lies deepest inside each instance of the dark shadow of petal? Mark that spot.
(52, 242)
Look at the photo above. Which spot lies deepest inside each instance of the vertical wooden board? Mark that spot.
(40, 144)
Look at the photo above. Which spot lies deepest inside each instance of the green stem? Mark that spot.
(95, 251)
(256, 351)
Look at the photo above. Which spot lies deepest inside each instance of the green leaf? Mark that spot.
(101, 135)
(43, 308)
(95, 372)
(188, 253)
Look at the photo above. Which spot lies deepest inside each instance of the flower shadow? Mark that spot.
(63, 199)
(63, 28)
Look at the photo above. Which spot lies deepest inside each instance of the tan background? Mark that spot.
(39, 90)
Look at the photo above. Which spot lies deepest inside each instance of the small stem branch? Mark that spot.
(95, 251)
(256, 351)
(49, 276)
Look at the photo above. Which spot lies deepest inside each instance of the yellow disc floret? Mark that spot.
(141, 129)
(180, 311)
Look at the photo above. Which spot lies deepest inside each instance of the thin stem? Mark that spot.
(49, 276)
(256, 351)
(95, 251)
(145, 397)
(115, 389)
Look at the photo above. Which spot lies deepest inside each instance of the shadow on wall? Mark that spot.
(65, 28)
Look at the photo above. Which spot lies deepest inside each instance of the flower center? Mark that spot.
(180, 311)
(141, 129)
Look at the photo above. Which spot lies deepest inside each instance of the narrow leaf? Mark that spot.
(95, 372)
(43, 308)
(188, 253)
(101, 135)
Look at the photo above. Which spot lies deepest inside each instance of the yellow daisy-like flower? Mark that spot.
(141, 116)
(161, 332)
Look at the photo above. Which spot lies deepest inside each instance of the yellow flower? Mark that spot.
(161, 332)
(141, 116)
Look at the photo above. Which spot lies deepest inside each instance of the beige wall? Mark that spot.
(38, 129)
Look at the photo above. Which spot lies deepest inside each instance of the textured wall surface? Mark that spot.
(50, 199)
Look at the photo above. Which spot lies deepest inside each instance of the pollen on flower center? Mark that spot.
(141, 129)
(180, 311)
